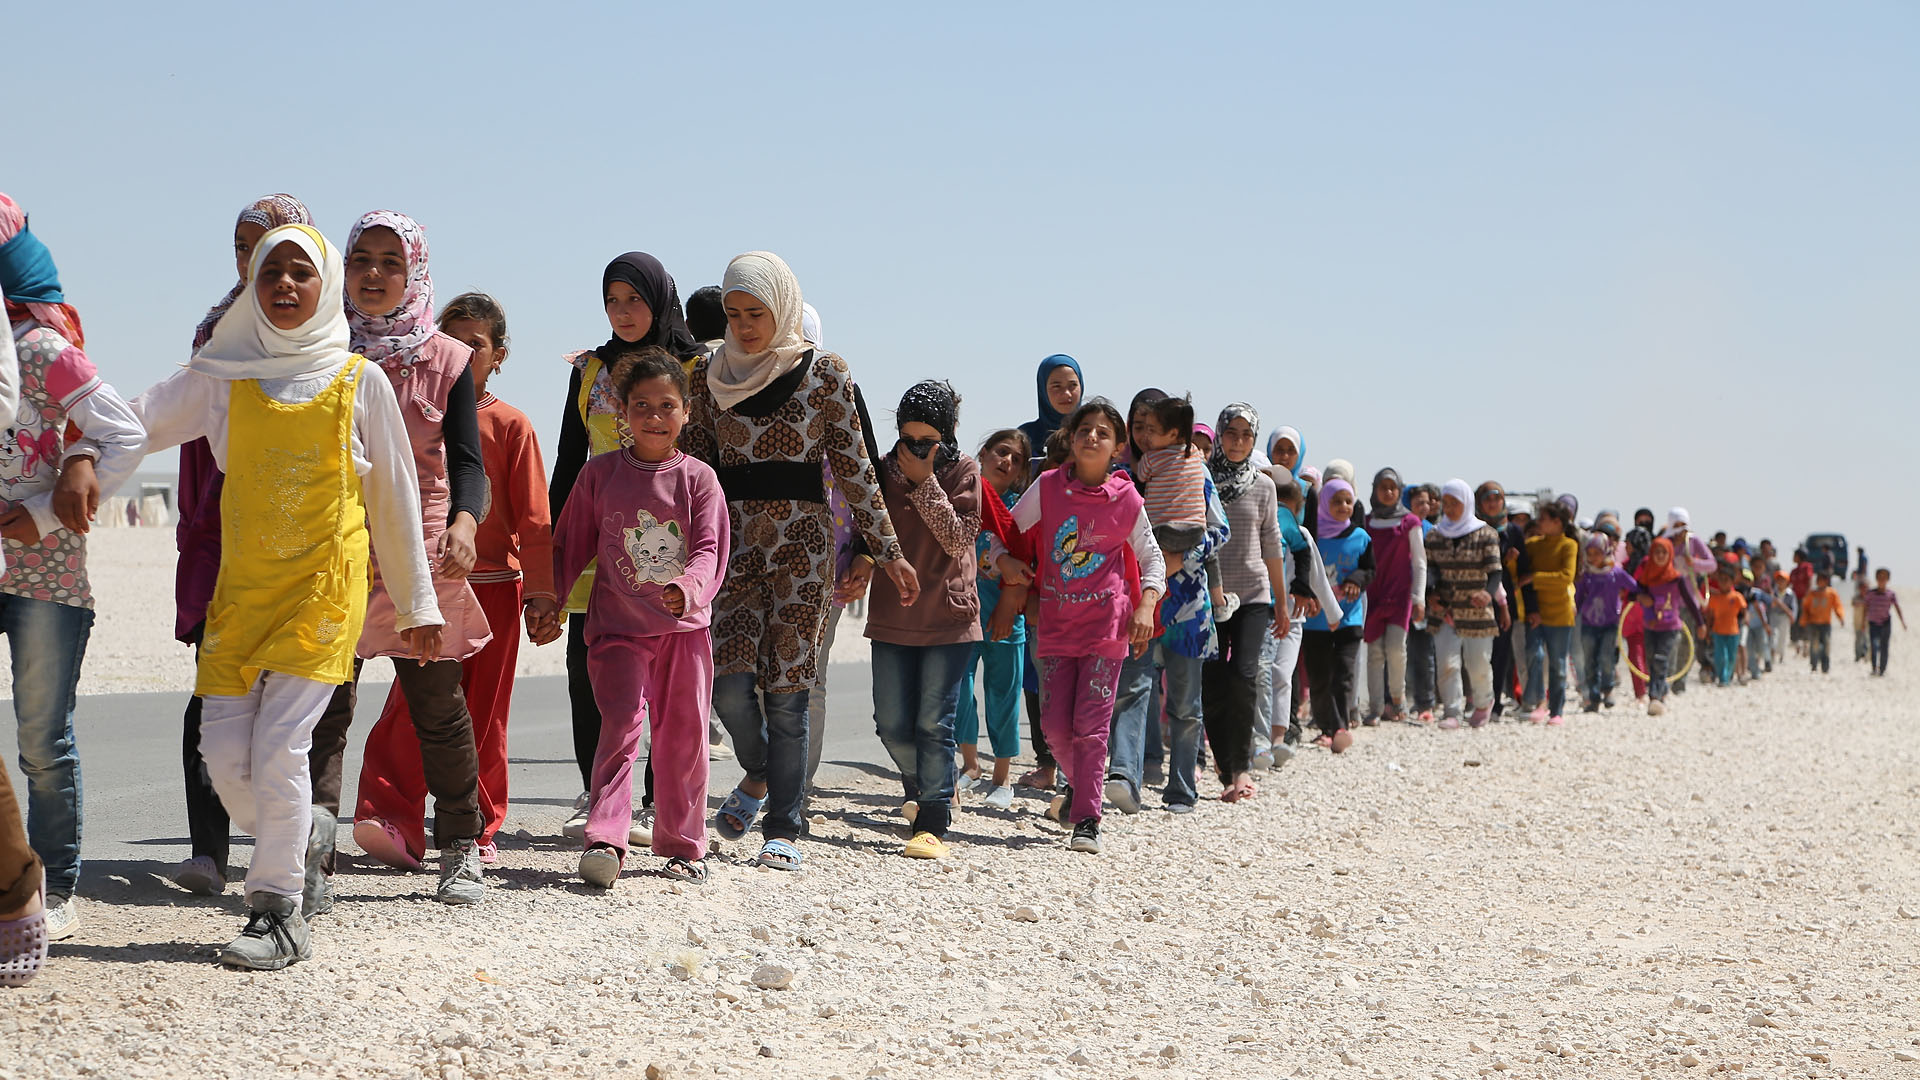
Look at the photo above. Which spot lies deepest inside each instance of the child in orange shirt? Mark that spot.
(1819, 610)
(515, 538)
(1724, 609)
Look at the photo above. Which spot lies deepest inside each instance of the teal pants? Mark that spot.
(999, 664)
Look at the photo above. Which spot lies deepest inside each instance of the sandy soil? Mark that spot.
(1732, 888)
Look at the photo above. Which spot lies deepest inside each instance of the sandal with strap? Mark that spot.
(778, 854)
(23, 948)
(740, 807)
(691, 871)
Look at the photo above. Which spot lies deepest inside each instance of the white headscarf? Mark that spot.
(810, 325)
(1468, 522)
(734, 375)
(246, 345)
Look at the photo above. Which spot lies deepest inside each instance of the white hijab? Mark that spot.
(1454, 529)
(246, 345)
(734, 375)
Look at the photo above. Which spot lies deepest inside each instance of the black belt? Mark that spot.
(798, 481)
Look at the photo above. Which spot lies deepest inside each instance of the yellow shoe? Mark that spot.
(925, 845)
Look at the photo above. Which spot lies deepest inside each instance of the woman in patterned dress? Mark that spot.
(765, 410)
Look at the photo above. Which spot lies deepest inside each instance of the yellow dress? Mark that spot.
(292, 592)
(605, 432)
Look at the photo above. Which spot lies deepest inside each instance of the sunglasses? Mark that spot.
(920, 448)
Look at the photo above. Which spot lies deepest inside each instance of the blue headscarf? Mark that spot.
(1049, 419)
(27, 272)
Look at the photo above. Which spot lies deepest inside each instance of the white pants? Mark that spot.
(1518, 634)
(1475, 654)
(1286, 656)
(1387, 671)
(255, 747)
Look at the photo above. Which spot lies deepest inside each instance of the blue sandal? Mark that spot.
(740, 807)
(778, 854)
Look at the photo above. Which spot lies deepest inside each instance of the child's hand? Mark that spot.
(1013, 571)
(905, 580)
(1533, 618)
(543, 620)
(17, 524)
(675, 600)
(1480, 598)
(76, 494)
(854, 585)
(1505, 618)
(1305, 607)
(914, 467)
(1000, 627)
(1645, 601)
(456, 552)
(1282, 624)
(1140, 630)
(423, 642)
(1419, 614)
(1349, 592)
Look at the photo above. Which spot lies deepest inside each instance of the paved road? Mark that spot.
(135, 813)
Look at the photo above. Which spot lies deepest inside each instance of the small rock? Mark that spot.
(1902, 1055)
(1170, 1052)
(696, 936)
(659, 1072)
(1908, 913)
(1571, 979)
(727, 992)
(766, 1051)
(1079, 1057)
(452, 1072)
(1348, 1059)
(1023, 913)
(774, 977)
(1689, 1060)
(1761, 1020)
(951, 953)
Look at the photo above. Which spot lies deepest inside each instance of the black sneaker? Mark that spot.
(1086, 837)
(275, 936)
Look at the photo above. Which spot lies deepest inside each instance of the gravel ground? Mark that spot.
(1731, 888)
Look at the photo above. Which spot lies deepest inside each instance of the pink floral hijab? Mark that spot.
(390, 338)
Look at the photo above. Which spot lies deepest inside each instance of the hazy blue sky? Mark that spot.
(1647, 253)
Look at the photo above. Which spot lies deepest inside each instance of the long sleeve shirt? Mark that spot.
(650, 524)
(190, 405)
(1253, 524)
(9, 380)
(1599, 594)
(1153, 566)
(516, 536)
(1556, 560)
(73, 387)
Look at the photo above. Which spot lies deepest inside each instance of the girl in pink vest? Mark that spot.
(390, 314)
(1091, 533)
(1396, 598)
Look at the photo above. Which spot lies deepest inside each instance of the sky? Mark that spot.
(1652, 254)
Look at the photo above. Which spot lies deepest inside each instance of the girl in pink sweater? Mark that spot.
(656, 520)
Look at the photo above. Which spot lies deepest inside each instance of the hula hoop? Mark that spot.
(1626, 654)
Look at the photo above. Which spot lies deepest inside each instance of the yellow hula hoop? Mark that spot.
(1626, 655)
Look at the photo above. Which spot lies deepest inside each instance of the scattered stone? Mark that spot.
(1023, 913)
(1689, 1060)
(657, 1071)
(1170, 1052)
(774, 977)
(1079, 1056)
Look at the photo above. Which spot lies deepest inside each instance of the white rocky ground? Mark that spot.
(1733, 888)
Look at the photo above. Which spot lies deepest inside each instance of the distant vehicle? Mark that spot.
(1828, 553)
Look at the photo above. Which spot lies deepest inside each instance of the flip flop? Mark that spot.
(778, 854)
(740, 807)
(691, 871)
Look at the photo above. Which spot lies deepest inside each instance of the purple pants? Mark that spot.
(668, 681)
(1076, 712)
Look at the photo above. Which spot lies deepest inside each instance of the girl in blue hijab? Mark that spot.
(1058, 387)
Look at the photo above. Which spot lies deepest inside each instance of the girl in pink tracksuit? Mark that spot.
(656, 520)
(1090, 536)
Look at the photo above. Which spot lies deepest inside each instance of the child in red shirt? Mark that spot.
(515, 538)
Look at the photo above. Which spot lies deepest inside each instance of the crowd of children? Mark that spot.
(351, 490)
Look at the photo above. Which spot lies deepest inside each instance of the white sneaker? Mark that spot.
(576, 827)
(719, 751)
(999, 798)
(63, 917)
(640, 833)
(200, 876)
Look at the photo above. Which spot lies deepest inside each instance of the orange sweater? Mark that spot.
(1723, 611)
(518, 532)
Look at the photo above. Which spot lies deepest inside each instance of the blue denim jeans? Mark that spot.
(1547, 648)
(915, 688)
(47, 642)
(1660, 655)
(1600, 655)
(1183, 726)
(1132, 712)
(771, 746)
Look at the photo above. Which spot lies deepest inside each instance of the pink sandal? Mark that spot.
(384, 842)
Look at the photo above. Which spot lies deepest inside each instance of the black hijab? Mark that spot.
(655, 286)
(933, 402)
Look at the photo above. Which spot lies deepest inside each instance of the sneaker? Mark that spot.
(1590, 707)
(1000, 798)
(1293, 735)
(1479, 718)
(316, 890)
(460, 880)
(1537, 714)
(1656, 708)
(925, 845)
(1282, 753)
(1607, 701)
(640, 833)
(600, 866)
(63, 917)
(275, 936)
(1449, 722)
(1119, 791)
(719, 751)
(1556, 720)
(200, 876)
(1086, 835)
(576, 827)
(1179, 808)
(1263, 762)
(982, 786)
(383, 841)
(1229, 606)
(489, 853)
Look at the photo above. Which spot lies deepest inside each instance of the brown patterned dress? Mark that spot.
(771, 612)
